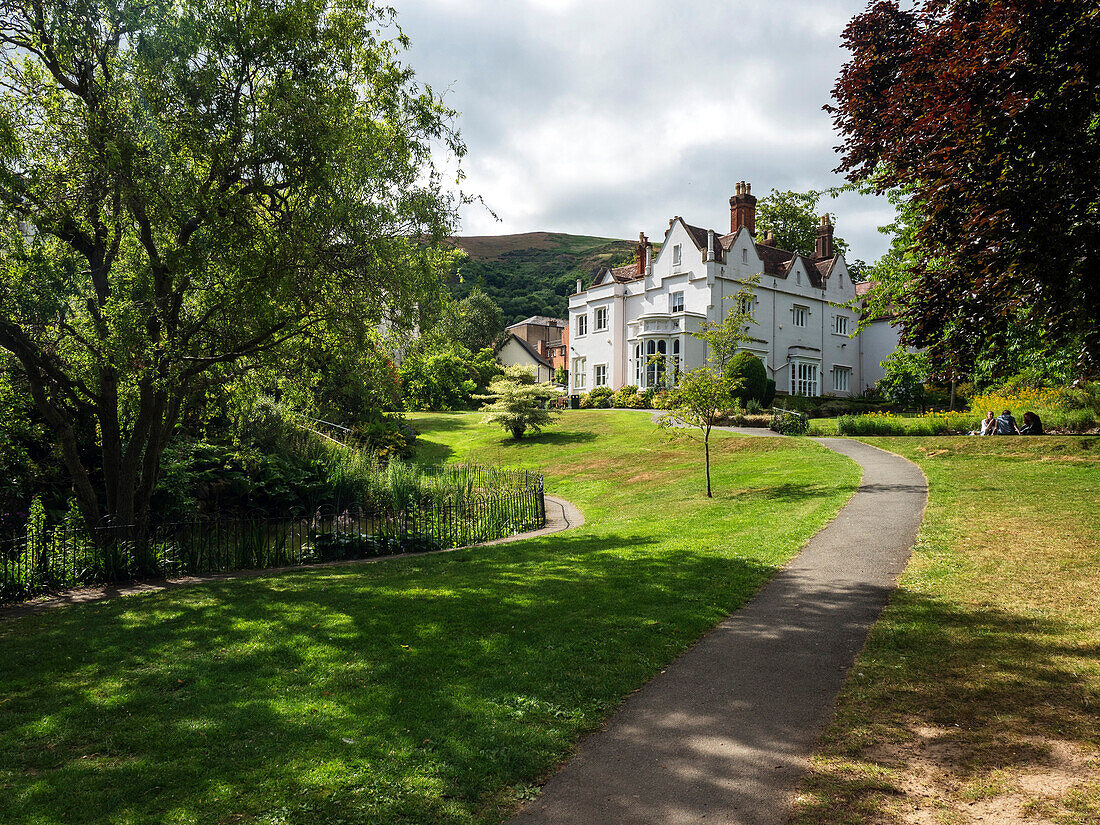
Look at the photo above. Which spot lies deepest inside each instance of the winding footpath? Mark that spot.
(725, 733)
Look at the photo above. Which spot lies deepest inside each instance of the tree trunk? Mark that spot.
(706, 453)
(951, 402)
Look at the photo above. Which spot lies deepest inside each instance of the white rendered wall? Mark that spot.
(709, 294)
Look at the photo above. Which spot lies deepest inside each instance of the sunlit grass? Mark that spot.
(435, 689)
(978, 692)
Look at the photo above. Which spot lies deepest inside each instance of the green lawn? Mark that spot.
(435, 689)
(977, 697)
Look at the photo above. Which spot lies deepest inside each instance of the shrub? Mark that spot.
(786, 424)
(627, 398)
(518, 404)
(598, 398)
(1074, 421)
(745, 371)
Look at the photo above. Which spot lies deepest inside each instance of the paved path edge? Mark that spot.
(725, 733)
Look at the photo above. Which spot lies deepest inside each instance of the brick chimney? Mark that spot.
(643, 248)
(743, 209)
(823, 247)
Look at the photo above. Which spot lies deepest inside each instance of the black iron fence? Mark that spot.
(478, 504)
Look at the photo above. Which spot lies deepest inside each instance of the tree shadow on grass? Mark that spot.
(970, 690)
(382, 692)
(553, 437)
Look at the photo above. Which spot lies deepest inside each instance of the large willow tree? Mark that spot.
(187, 185)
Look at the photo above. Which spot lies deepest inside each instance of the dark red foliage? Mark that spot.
(988, 113)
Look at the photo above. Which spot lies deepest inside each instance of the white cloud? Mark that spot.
(606, 117)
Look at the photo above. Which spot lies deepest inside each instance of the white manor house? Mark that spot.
(804, 332)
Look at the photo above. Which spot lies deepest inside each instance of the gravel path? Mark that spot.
(725, 733)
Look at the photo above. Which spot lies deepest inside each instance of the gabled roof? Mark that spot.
(539, 321)
(620, 275)
(534, 353)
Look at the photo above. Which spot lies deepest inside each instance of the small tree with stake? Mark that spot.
(702, 395)
(698, 401)
(517, 403)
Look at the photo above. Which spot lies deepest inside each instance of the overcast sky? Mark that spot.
(607, 118)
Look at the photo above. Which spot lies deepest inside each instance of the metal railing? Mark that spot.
(489, 504)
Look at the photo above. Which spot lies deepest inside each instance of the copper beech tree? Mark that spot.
(185, 187)
(985, 115)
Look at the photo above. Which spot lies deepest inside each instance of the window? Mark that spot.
(655, 352)
(841, 327)
(578, 373)
(842, 378)
(676, 255)
(798, 277)
(638, 365)
(599, 375)
(804, 378)
(676, 361)
(746, 304)
(582, 324)
(676, 302)
(799, 316)
(744, 256)
(601, 318)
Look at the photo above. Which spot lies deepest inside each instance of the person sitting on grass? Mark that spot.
(988, 424)
(1006, 424)
(1032, 424)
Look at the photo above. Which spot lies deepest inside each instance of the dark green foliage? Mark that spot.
(746, 373)
(536, 274)
(342, 546)
(769, 394)
(475, 321)
(790, 424)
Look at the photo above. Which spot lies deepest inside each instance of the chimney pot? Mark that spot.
(823, 246)
(579, 290)
(743, 209)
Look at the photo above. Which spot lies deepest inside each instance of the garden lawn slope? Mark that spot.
(435, 689)
(977, 698)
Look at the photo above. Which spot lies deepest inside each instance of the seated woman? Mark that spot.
(988, 424)
(1032, 425)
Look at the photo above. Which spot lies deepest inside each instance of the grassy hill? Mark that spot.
(535, 272)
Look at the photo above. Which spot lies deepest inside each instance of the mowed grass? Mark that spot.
(977, 698)
(436, 689)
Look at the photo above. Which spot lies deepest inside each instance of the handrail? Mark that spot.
(788, 412)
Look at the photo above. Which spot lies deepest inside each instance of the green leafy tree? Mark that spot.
(702, 395)
(518, 404)
(905, 375)
(793, 217)
(698, 401)
(475, 321)
(186, 187)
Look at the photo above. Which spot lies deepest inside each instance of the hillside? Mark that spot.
(535, 272)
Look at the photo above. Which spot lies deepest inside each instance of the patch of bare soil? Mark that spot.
(942, 783)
